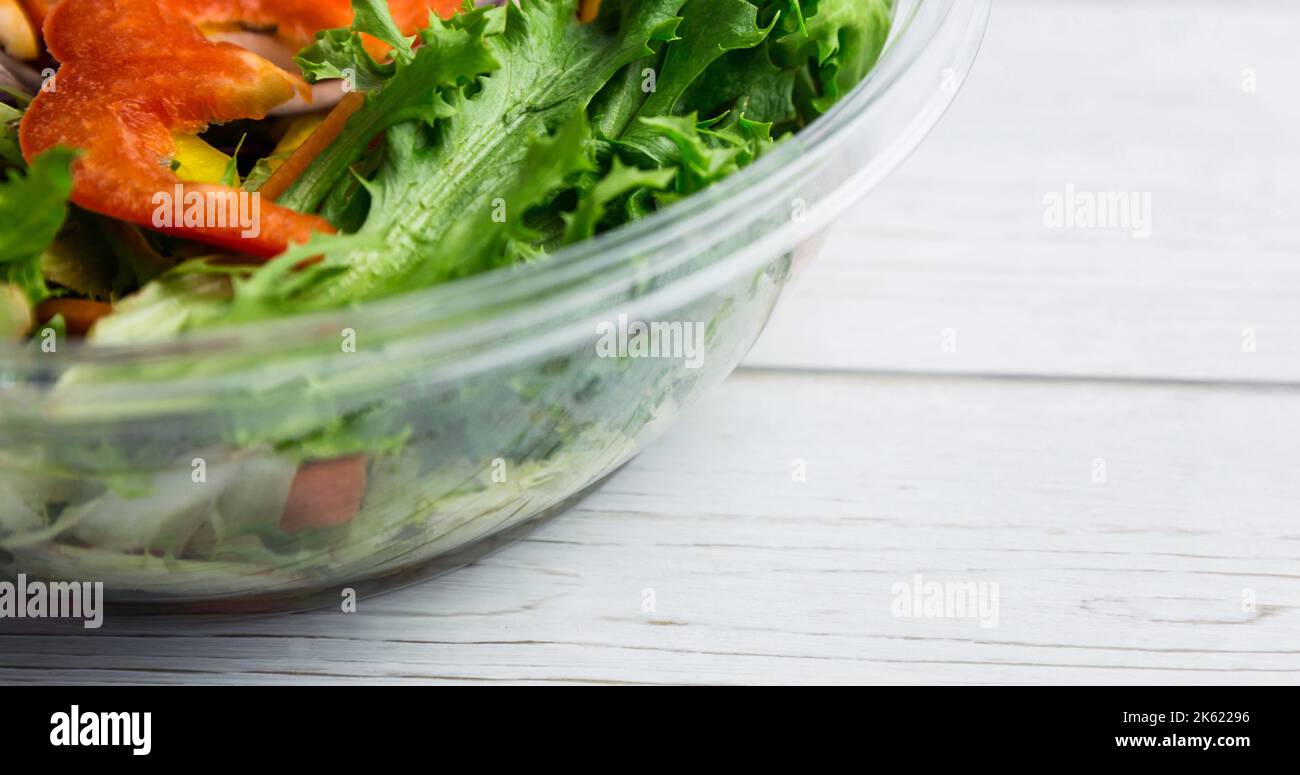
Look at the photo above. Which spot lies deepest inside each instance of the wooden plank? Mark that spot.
(756, 576)
(1107, 97)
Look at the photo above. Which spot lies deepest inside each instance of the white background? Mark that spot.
(1073, 348)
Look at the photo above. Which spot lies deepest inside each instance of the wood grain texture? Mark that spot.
(1104, 96)
(759, 577)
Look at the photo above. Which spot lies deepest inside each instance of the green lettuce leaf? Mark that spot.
(746, 82)
(341, 53)
(709, 29)
(32, 208)
(551, 165)
(749, 81)
(843, 39)
(454, 178)
(709, 151)
(372, 17)
(413, 89)
(621, 181)
(9, 150)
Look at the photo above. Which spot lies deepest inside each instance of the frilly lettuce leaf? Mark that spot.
(843, 39)
(622, 180)
(709, 29)
(410, 89)
(342, 53)
(709, 151)
(435, 182)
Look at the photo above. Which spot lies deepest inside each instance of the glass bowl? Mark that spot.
(455, 414)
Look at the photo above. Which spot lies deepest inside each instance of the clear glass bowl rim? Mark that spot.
(623, 257)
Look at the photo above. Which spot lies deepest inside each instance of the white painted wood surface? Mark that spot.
(1115, 96)
(1128, 482)
(757, 577)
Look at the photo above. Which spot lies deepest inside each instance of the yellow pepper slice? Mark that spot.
(198, 162)
(17, 36)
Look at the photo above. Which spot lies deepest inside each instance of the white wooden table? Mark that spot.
(1113, 441)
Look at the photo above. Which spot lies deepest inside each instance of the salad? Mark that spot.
(177, 167)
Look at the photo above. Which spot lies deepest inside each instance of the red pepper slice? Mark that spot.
(135, 72)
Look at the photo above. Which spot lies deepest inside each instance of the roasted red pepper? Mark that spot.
(135, 72)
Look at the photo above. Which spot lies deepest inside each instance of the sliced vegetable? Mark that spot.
(295, 135)
(325, 493)
(79, 315)
(293, 167)
(297, 21)
(117, 101)
(197, 162)
(588, 10)
(17, 36)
